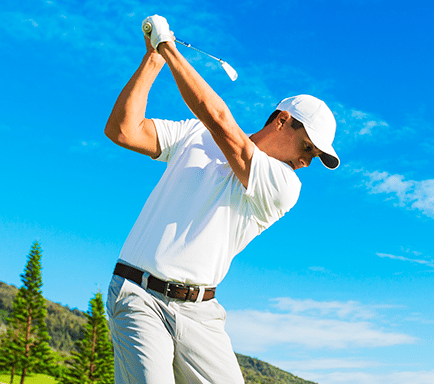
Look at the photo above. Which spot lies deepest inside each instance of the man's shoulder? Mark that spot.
(273, 180)
(175, 135)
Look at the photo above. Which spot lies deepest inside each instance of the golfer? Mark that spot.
(220, 189)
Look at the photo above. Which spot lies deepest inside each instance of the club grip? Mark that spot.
(147, 27)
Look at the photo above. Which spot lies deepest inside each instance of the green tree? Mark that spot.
(93, 363)
(9, 353)
(27, 338)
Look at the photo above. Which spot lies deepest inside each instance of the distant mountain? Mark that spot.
(65, 326)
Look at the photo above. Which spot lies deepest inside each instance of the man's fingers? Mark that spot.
(157, 29)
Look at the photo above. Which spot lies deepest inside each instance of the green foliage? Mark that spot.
(94, 360)
(25, 345)
(64, 325)
(7, 296)
(9, 354)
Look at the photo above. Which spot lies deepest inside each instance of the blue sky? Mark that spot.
(338, 291)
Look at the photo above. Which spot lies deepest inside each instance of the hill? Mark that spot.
(258, 372)
(65, 326)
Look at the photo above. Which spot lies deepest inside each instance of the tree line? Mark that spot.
(24, 348)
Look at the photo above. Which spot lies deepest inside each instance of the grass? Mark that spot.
(36, 378)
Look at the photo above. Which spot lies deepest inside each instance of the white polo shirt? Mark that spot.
(199, 216)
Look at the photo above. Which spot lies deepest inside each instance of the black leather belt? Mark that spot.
(172, 290)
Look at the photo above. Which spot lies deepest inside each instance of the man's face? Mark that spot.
(297, 149)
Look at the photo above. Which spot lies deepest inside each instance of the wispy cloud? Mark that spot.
(428, 146)
(355, 125)
(409, 194)
(397, 377)
(105, 35)
(419, 318)
(348, 309)
(271, 330)
(85, 146)
(428, 263)
(310, 324)
(358, 123)
(93, 148)
(325, 364)
(317, 268)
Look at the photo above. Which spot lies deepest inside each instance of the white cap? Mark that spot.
(319, 122)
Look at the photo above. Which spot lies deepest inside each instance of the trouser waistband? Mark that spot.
(172, 290)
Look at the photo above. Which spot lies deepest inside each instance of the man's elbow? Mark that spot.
(113, 131)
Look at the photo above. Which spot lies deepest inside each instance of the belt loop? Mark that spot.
(189, 293)
(200, 294)
(145, 280)
(166, 289)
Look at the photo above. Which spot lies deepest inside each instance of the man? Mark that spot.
(221, 188)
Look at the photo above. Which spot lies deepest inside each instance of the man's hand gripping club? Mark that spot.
(157, 30)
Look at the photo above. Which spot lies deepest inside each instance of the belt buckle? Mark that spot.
(168, 287)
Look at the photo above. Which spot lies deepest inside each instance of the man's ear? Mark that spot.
(282, 118)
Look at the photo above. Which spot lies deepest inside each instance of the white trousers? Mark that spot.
(159, 340)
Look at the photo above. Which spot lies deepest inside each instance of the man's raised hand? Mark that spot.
(157, 30)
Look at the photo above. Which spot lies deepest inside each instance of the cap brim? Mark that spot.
(329, 161)
(329, 158)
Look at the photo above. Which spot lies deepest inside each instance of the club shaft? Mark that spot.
(190, 46)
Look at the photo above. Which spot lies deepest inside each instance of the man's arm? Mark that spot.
(211, 110)
(126, 125)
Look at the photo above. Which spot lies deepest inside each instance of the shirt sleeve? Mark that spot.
(273, 188)
(171, 135)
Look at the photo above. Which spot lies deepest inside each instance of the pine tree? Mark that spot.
(9, 353)
(93, 363)
(28, 336)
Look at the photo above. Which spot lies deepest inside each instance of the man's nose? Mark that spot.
(305, 161)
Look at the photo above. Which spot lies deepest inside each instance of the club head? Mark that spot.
(232, 73)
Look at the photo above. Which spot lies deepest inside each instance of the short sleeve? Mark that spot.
(171, 135)
(273, 188)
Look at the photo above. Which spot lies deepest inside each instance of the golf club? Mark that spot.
(147, 28)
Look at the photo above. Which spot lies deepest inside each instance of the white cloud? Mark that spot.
(428, 263)
(349, 309)
(408, 250)
(419, 318)
(315, 328)
(422, 377)
(356, 123)
(410, 194)
(325, 364)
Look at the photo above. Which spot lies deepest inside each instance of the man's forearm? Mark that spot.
(202, 100)
(130, 107)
